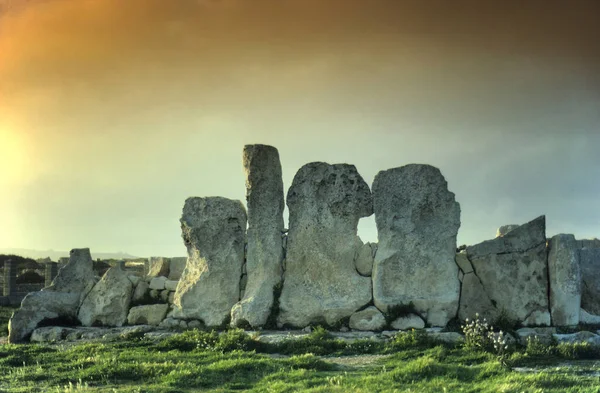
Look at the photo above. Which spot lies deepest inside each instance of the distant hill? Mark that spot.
(54, 255)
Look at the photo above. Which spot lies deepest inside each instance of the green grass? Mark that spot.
(5, 313)
(231, 362)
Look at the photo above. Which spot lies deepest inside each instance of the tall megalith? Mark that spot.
(417, 222)
(213, 230)
(321, 283)
(564, 273)
(265, 203)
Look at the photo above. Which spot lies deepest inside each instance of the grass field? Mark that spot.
(201, 361)
(5, 313)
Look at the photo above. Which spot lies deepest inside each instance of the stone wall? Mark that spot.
(244, 269)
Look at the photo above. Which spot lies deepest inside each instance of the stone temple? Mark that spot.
(244, 269)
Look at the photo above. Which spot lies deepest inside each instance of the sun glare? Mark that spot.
(13, 156)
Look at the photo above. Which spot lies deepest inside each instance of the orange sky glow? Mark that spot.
(113, 112)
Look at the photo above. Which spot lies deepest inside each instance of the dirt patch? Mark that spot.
(357, 361)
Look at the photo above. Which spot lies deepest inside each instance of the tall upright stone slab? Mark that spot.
(417, 222)
(264, 197)
(61, 299)
(513, 273)
(590, 275)
(321, 283)
(213, 230)
(565, 280)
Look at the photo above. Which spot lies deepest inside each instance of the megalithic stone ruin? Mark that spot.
(264, 257)
(244, 271)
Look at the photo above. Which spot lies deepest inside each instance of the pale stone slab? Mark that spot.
(513, 274)
(590, 275)
(158, 283)
(417, 222)
(213, 231)
(171, 285)
(368, 319)
(176, 267)
(107, 304)
(411, 321)
(158, 266)
(321, 281)
(147, 315)
(565, 280)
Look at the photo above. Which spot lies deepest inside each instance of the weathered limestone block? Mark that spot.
(171, 285)
(321, 282)
(264, 197)
(147, 315)
(417, 222)
(588, 243)
(589, 259)
(77, 276)
(50, 334)
(587, 318)
(410, 321)
(213, 230)
(463, 262)
(504, 229)
(158, 266)
(579, 337)
(368, 319)
(543, 335)
(158, 283)
(364, 258)
(565, 280)
(474, 300)
(61, 299)
(512, 272)
(140, 292)
(164, 295)
(176, 267)
(135, 280)
(107, 303)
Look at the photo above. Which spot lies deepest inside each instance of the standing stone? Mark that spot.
(61, 299)
(264, 197)
(512, 272)
(176, 267)
(213, 230)
(107, 304)
(158, 266)
(417, 222)
(590, 274)
(565, 280)
(321, 282)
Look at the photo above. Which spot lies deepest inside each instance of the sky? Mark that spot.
(113, 112)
